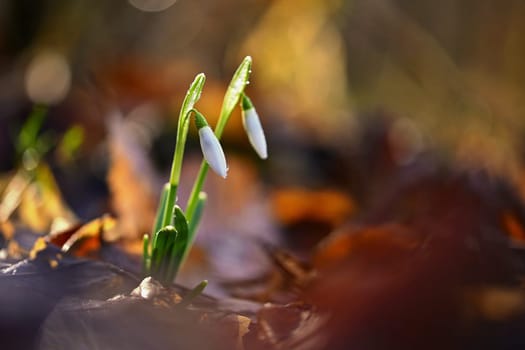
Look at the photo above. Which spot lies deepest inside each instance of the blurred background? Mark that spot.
(391, 200)
(109, 76)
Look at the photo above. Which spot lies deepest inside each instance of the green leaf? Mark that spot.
(71, 142)
(146, 257)
(164, 265)
(28, 135)
(168, 235)
(181, 224)
(180, 245)
(192, 294)
(196, 218)
(164, 239)
(161, 208)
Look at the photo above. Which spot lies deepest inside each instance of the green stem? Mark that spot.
(170, 203)
(197, 188)
(176, 167)
(234, 92)
(192, 96)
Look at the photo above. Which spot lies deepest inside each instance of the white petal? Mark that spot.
(212, 151)
(255, 132)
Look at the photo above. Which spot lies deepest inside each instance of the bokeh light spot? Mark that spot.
(48, 78)
(152, 5)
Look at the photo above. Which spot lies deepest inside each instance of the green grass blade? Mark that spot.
(28, 135)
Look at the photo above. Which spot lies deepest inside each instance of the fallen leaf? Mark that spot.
(513, 227)
(377, 244)
(41, 202)
(84, 240)
(131, 181)
(294, 204)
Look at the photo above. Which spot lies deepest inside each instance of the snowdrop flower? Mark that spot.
(252, 126)
(211, 148)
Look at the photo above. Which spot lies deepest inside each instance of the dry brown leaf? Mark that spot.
(495, 303)
(294, 204)
(7, 229)
(290, 326)
(513, 227)
(377, 244)
(84, 240)
(12, 195)
(41, 202)
(40, 244)
(280, 284)
(131, 181)
(244, 328)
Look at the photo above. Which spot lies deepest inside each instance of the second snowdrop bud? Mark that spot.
(210, 146)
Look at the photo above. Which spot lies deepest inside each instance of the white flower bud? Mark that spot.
(212, 151)
(252, 126)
